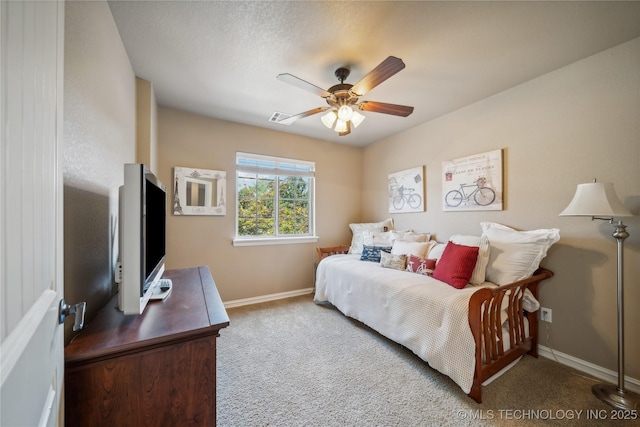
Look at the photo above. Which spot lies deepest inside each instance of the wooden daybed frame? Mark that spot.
(485, 322)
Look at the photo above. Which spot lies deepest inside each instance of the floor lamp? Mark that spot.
(599, 201)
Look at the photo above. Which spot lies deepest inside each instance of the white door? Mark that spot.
(31, 285)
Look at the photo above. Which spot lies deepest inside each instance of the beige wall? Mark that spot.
(244, 272)
(99, 138)
(557, 131)
(146, 125)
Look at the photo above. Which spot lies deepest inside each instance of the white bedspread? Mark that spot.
(423, 314)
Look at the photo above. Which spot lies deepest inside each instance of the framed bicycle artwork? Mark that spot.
(473, 183)
(406, 191)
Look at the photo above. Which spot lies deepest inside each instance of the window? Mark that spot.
(275, 200)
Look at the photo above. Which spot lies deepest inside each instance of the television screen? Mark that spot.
(155, 219)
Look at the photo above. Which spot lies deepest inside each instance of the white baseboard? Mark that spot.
(588, 368)
(265, 298)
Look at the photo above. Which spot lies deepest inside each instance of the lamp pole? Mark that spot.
(620, 234)
(619, 397)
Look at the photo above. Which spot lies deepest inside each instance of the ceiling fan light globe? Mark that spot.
(341, 126)
(356, 118)
(329, 119)
(344, 113)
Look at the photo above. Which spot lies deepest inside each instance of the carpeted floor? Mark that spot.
(295, 363)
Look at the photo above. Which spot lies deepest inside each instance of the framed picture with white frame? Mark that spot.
(473, 183)
(199, 191)
(406, 191)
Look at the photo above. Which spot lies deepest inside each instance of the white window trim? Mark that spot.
(261, 241)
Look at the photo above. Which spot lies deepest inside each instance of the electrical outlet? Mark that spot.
(545, 314)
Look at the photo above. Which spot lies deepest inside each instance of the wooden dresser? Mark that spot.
(155, 369)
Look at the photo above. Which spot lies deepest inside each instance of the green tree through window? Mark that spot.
(274, 196)
(293, 205)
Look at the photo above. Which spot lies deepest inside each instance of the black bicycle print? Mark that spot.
(482, 196)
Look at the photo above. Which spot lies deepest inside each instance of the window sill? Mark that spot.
(274, 241)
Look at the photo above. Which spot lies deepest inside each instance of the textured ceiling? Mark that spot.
(221, 58)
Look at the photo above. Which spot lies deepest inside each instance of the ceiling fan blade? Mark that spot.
(382, 72)
(382, 107)
(290, 120)
(302, 84)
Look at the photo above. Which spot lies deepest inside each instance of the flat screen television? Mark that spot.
(143, 213)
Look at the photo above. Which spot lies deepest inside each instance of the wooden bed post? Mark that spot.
(485, 319)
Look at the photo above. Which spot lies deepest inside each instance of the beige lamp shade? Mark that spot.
(329, 119)
(356, 118)
(597, 199)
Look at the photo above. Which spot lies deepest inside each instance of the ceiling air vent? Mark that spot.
(277, 117)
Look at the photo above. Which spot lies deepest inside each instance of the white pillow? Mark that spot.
(482, 243)
(436, 250)
(386, 238)
(357, 229)
(411, 236)
(419, 249)
(515, 255)
(378, 238)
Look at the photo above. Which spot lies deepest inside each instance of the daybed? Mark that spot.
(468, 332)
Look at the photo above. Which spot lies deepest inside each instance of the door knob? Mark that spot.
(77, 310)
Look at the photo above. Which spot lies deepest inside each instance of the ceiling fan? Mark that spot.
(343, 97)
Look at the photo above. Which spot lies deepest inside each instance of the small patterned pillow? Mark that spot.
(421, 265)
(397, 262)
(372, 253)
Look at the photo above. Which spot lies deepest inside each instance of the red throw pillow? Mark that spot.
(421, 265)
(456, 265)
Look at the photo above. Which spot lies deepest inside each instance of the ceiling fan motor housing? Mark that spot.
(341, 95)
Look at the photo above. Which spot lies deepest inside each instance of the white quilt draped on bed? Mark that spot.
(423, 314)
